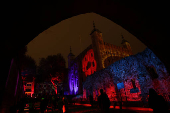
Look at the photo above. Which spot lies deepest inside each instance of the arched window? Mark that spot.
(152, 71)
(88, 65)
(93, 64)
(77, 82)
(28, 90)
(133, 83)
(28, 84)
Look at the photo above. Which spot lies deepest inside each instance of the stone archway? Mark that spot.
(26, 19)
(32, 18)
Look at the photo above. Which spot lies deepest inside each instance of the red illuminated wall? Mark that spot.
(162, 88)
(89, 64)
(110, 91)
(124, 92)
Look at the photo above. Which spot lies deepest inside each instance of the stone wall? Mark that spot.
(114, 53)
(138, 68)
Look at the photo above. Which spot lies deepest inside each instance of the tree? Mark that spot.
(27, 64)
(50, 67)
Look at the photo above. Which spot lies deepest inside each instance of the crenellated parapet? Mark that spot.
(114, 53)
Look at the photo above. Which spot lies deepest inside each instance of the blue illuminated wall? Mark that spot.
(73, 79)
(136, 67)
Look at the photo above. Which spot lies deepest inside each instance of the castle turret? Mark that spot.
(126, 45)
(70, 57)
(97, 45)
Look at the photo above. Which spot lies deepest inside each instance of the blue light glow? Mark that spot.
(120, 85)
(133, 67)
(73, 80)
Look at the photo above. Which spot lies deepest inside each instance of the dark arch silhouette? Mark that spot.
(25, 20)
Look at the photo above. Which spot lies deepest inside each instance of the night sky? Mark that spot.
(59, 38)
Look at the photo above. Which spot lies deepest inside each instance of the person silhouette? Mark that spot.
(91, 100)
(43, 103)
(60, 104)
(104, 102)
(65, 104)
(157, 102)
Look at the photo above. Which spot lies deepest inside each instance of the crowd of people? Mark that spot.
(60, 102)
(155, 101)
(56, 101)
(53, 101)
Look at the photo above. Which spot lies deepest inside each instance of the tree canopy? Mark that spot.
(52, 66)
(26, 63)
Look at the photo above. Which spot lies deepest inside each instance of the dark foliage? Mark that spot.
(27, 64)
(52, 66)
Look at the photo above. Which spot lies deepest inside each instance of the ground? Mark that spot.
(85, 108)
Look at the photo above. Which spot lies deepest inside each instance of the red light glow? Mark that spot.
(125, 92)
(32, 91)
(52, 81)
(89, 64)
(55, 86)
(117, 107)
(64, 110)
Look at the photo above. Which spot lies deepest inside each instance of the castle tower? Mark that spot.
(70, 57)
(126, 45)
(97, 45)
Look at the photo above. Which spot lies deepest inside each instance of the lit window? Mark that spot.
(28, 90)
(28, 84)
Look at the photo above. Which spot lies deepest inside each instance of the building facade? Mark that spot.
(29, 87)
(130, 79)
(28, 82)
(98, 55)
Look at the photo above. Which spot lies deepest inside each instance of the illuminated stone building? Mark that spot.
(95, 57)
(130, 79)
